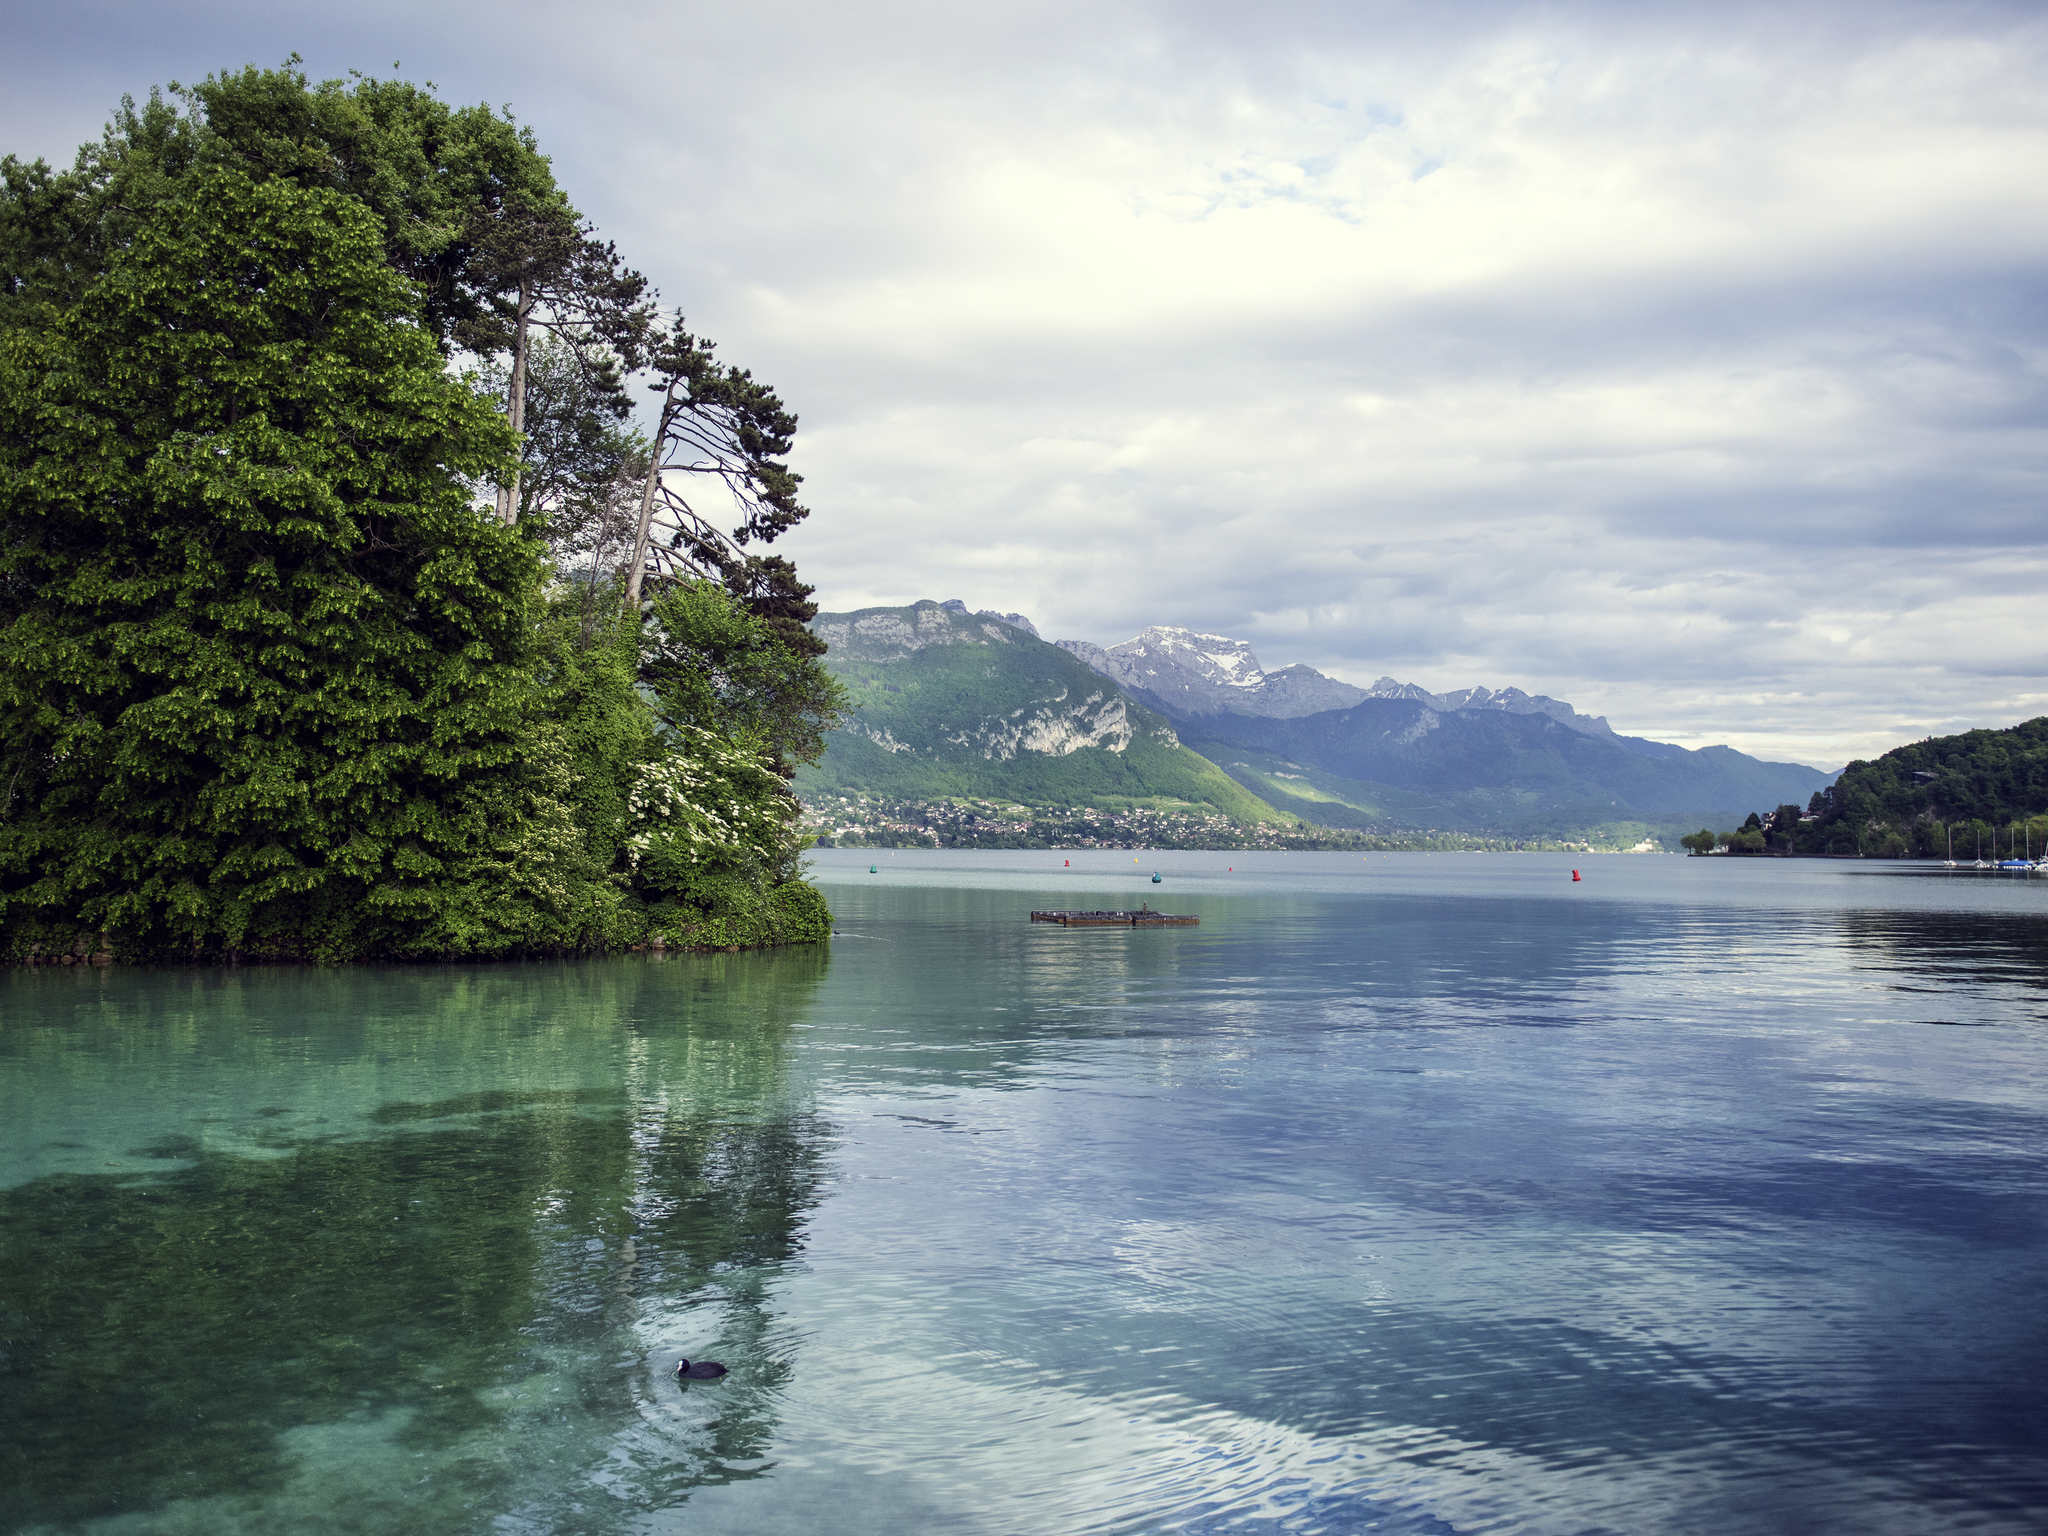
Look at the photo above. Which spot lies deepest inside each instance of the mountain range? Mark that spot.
(1185, 672)
(946, 702)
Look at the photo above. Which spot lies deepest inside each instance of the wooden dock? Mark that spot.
(1144, 917)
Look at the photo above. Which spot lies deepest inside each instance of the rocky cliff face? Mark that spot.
(1014, 620)
(1300, 690)
(887, 634)
(1056, 728)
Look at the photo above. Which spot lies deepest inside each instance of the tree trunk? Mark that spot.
(638, 566)
(515, 402)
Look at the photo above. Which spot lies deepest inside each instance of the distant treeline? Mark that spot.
(1980, 792)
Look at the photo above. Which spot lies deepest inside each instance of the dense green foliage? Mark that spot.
(273, 680)
(452, 191)
(724, 667)
(1982, 793)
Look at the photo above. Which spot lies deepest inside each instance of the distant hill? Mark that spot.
(1979, 786)
(1529, 774)
(946, 703)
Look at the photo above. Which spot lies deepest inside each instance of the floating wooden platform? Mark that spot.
(1144, 917)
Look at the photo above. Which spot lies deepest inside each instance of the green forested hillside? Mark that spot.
(1980, 790)
(945, 704)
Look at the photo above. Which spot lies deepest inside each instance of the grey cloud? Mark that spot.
(1704, 397)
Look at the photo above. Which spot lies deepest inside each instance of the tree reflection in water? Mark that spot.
(484, 1283)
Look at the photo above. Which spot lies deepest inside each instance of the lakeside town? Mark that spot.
(874, 821)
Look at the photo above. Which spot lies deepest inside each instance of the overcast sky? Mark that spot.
(1692, 367)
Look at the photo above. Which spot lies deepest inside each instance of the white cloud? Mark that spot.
(1688, 365)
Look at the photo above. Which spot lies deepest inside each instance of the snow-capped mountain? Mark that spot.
(1190, 672)
(1215, 659)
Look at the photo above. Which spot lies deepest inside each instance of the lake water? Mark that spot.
(1409, 1194)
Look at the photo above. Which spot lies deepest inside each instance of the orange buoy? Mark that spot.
(1575, 874)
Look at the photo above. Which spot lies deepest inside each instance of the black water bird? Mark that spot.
(698, 1370)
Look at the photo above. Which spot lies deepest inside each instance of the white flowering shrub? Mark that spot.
(709, 805)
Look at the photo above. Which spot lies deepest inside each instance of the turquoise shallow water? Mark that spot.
(1412, 1193)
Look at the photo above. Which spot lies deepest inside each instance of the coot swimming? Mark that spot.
(698, 1370)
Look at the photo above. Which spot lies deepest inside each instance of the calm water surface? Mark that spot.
(1409, 1194)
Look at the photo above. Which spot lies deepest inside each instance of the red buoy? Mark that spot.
(1575, 874)
(1066, 863)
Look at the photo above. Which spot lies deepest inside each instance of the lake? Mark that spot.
(1410, 1193)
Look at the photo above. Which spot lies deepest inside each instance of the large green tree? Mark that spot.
(264, 672)
(272, 679)
(470, 211)
(466, 205)
(713, 664)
